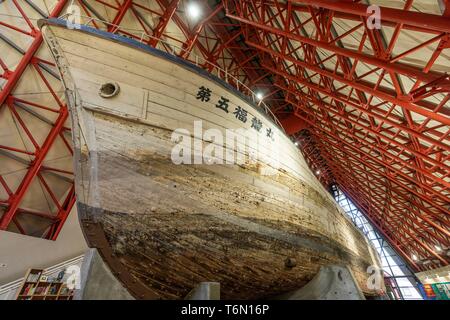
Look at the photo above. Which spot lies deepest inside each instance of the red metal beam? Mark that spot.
(381, 149)
(163, 21)
(40, 152)
(33, 170)
(394, 67)
(357, 85)
(411, 18)
(355, 184)
(394, 178)
(399, 165)
(392, 241)
(190, 42)
(15, 75)
(352, 154)
(293, 124)
(123, 8)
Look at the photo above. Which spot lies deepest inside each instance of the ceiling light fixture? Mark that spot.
(194, 10)
(259, 96)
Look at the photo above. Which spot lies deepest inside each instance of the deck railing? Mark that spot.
(171, 48)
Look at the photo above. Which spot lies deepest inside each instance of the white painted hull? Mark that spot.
(163, 227)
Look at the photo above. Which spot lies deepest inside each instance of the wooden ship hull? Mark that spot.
(164, 227)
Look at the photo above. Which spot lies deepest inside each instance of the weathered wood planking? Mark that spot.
(172, 226)
(165, 84)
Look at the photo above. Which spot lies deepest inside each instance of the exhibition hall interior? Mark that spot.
(224, 150)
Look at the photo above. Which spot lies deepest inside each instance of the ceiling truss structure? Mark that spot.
(33, 157)
(382, 125)
(366, 112)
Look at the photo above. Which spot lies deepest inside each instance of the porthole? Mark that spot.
(109, 90)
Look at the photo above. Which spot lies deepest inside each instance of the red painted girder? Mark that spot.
(401, 221)
(437, 179)
(163, 21)
(14, 76)
(424, 247)
(424, 195)
(64, 212)
(17, 197)
(293, 124)
(404, 202)
(397, 209)
(397, 67)
(393, 237)
(189, 43)
(400, 183)
(364, 206)
(411, 18)
(33, 170)
(392, 241)
(123, 8)
(370, 113)
(385, 141)
(410, 231)
(376, 183)
(297, 7)
(393, 178)
(400, 148)
(359, 85)
(356, 85)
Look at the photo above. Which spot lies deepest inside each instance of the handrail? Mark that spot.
(143, 37)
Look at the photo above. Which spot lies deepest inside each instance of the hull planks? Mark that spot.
(260, 228)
